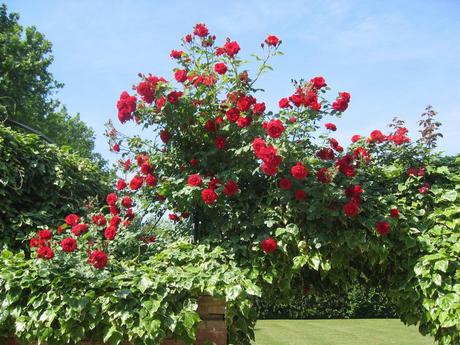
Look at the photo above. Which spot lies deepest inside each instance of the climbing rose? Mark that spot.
(151, 180)
(98, 259)
(176, 54)
(165, 136)
(355, 138)
(180, 75)
(231, 48)
(116, 148)
(299, 171)
(173, 96)
(268, 245)
(146, 168)
(45, 234)
(173, 217)
(126, 105)
(99, 219)
(318, 82)
(209, 196)
(341, 103)
(136, 182)
(285, 184)
(110, 232)
(220, 68)
(111, 199)
(232, 114)
(324, 175)
(382, 227)
(283, 103)
(300, 195)
(351, 208)
(79, 229)
(220, 143)
(272, 40)
(326, 154)
(200, 30)
(394, 213)
(72, 219)
(230, 188)
(127, 202)
(259, 108)
(45, 253)
(244, 103)
(68, 244)
(195, 180)
(330, 126)
(274, 128)
(34, 242)
(121, 184)
(376, 136)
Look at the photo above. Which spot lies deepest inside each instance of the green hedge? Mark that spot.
(40, 183)
(359, 302)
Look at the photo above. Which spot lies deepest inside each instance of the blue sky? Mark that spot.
(394, 57)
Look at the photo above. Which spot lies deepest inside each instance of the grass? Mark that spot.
(338, 332)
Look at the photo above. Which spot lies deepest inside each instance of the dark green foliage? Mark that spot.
(359, 302)
(40, 184)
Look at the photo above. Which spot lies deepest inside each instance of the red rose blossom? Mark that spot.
(382, 227)
(195, 180)
(126, 105)
(98, 259)
(45, 234)
(180, 75)
(79, 229)
(110, 232)
(230, 188)
(394, 213)
(259, 108)
(136, 182)
(45, 253)
(151, 180)
(318, 82)
(285, 184)
(176, 54)
(355, 138)
(209, 196)
(231, 48)
(220, 68)
(99, 220)
(299, 171)
(126, 201)
(351, 208)
(68, 244)
(300, 195)
(72, 219)
(111, 199)
(330, 126)
(121, 184)
(220, 143)
(272, 40)
(283, 103)
(165, 136)
(274, 128)
(324, 175)
(268, 245)
(200, 30)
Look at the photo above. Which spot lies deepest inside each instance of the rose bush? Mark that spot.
(290, 204)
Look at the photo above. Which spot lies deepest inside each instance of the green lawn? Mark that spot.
(338, 332)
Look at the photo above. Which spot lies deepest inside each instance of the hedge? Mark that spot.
(40, 183)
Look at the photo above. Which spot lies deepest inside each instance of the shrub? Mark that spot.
(41, 183)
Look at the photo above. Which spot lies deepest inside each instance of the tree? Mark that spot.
(27, 88)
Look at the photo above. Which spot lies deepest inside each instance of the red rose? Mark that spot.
(299, 171)
(126, 201)
(98, 259)
(121, 184)
(324, 175)
(231, 48)
(285, 184)
(354, 192)
(220, 143)
(210, 126)
(355, 138)
(126, 105)
(274, 128)
(351, 208)
(195, 180)
(165, 136)
(257, 145)
(244, 121)
(300, 195)
(136, 182)
(232, 114)
(146, 168)
(376, 136)
(176, 54)
(173, 96)
(283, 103)
(341, 103)
(126, 164)
(45, 253)
(45, 234)
(318, 82)
(114, 210)
(268, 245)
(200, 30)
(79, 229)
(110, 232)
(160, 102)
(272, 40)
(34, 242)
(68, 244)
(115, 221)
(326, 154)
(147, 91)
(330, 126)
(151, 180)
(180, 76)
(188, 38)
(230, 188)
(394, 213)
(399, 137)
(382, 227)
(220, 68)
(59, 230)
(111, 199)
(425, 188)
(116, 148)
(244, 103)
(209, 196)
(72, 219)
(173, 217)
(99, 220)
(259, 108)
(361, 153)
